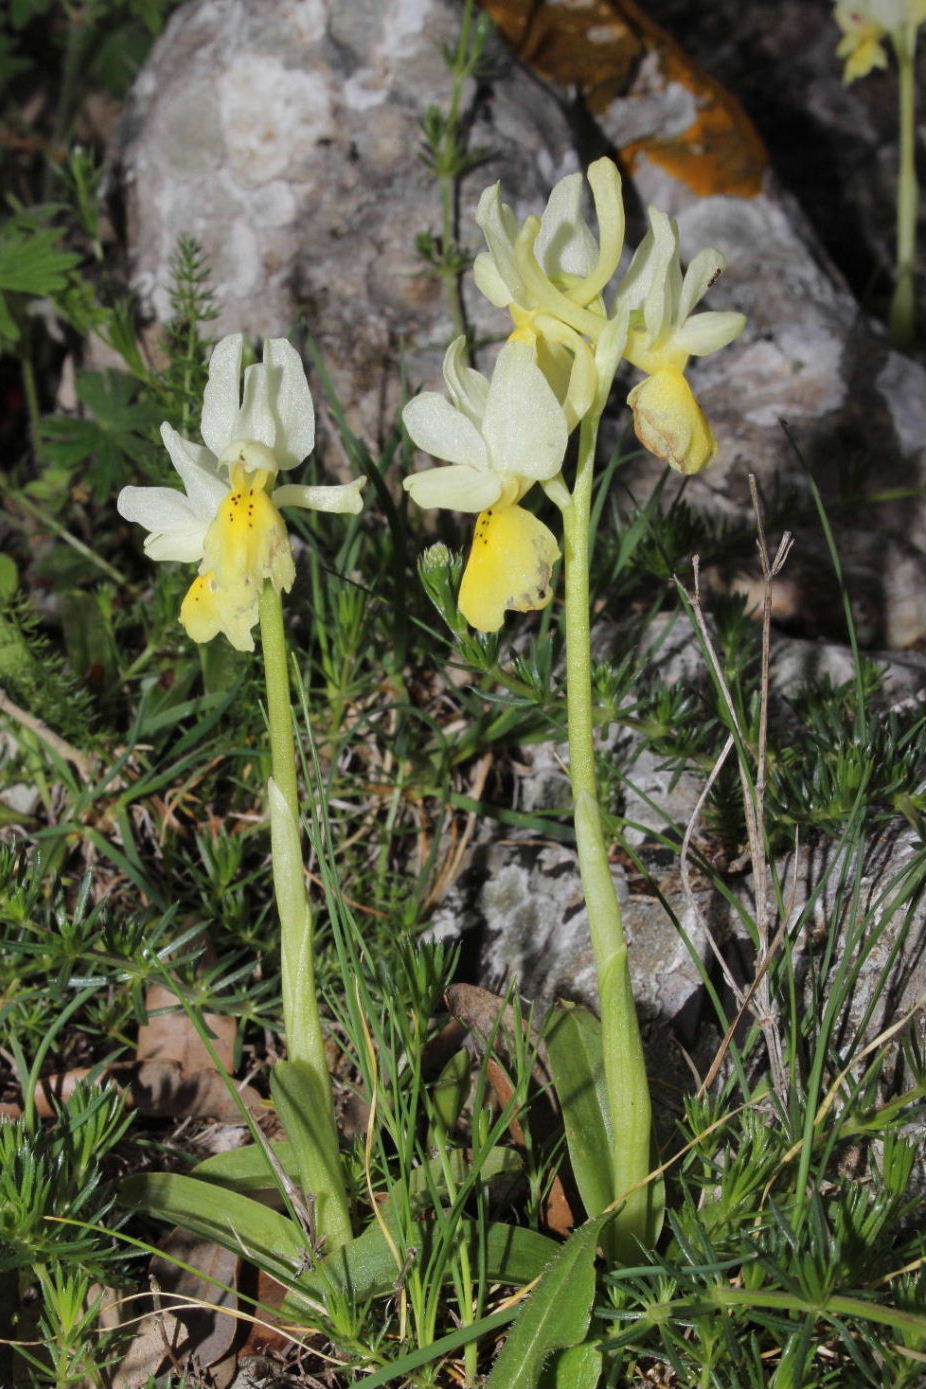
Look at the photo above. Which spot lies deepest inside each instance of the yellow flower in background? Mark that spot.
(499, 437)
(227, 516)
(663, 332)
(865, 24)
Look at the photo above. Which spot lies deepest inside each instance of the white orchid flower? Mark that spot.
(556, 250)
(550, 272)
(499, 437)
(663, 332)
(227, 517)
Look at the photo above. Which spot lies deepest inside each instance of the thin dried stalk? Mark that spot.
(753, 792)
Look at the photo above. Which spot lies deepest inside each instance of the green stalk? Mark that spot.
(624, 1064)
(301, 1084)
(279, 709)
(902, 312)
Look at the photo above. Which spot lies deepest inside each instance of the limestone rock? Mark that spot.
(285, 135)
(522, 905)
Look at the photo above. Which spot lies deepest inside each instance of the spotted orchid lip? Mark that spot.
(510, 567)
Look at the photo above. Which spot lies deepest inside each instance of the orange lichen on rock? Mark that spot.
(721, 151)
(598, 45)
(577, 43)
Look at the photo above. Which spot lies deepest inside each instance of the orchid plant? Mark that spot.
(866, 26)
(497, 437)
(502, 435)
(227, 518)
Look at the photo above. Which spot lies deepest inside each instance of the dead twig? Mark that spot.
(753, 789)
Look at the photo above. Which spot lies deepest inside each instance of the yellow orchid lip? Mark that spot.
(669, 421)
(510, 567)
(246, 540)
(199, 611)
(246, 545)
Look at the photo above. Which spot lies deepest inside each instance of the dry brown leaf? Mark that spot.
(158, 1088)
(154, 1341)
(263, 1338)
(491, 1019)
(192, 1320)
(210, 1330)
(162, 1088)
(556, 1211)
(169, 1034)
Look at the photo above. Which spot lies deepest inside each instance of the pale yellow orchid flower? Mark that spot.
(499, 437)
(550, 273)
(865, 24)
(663, 332)
(227, 516)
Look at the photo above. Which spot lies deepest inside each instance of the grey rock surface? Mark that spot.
(285, 136)
(523, 901)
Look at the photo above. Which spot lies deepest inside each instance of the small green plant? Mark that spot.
(58, 1234)
(448, 156)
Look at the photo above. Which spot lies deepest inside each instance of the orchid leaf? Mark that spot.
(557, 1313)
(573, 1040)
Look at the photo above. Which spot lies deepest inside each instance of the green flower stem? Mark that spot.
(624, 1064)
(303, 1088)
(279, 711)
(902, 302)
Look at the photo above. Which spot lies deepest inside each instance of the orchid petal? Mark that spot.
(709, 331)
(290, 401)
(489, 282)
(524, 426)
(605, 183)
(222, 396)
(565, 245)
(500, 228)
(344, 498)
(437, 428)
(669, 421)
(176, 531)
(196, 467)
(210, 608)
(457, 488)
(468, 387)
(658, 306)
(510, 566)
(700, 275)
(256, 420)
